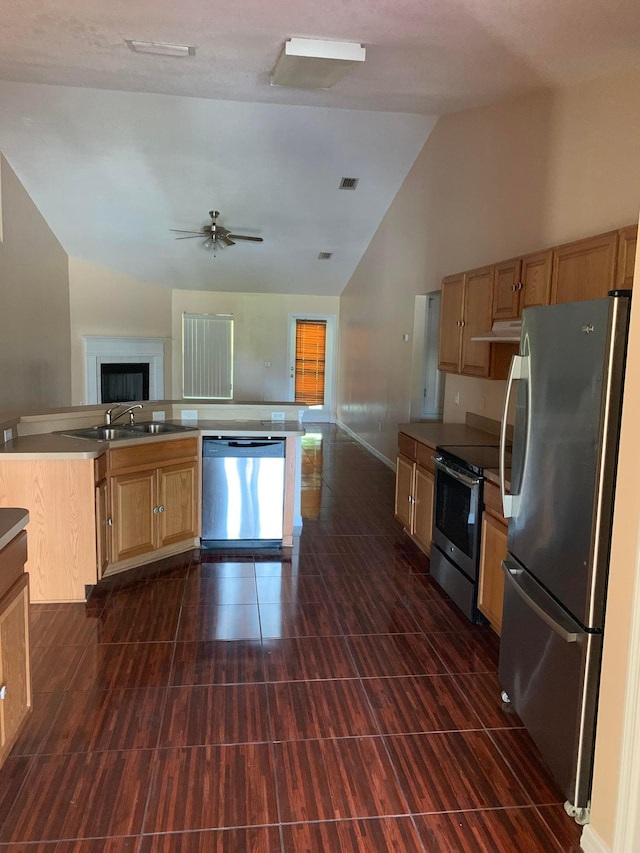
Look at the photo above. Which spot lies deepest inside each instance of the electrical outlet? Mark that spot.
(189, 414)
(456, 399)
(267, 364)
(277, 416)
(158, 416)
(8, 434)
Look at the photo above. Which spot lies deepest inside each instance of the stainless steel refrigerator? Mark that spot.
(567, 381)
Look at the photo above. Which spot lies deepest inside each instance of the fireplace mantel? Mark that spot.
(99, 350)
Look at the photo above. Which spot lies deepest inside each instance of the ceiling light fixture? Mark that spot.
(315, 63)
(160, 48)
(324, 256)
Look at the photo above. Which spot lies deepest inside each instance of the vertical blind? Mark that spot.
(207, 356)
(311, 337)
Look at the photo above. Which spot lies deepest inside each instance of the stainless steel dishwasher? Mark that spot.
(242, 491)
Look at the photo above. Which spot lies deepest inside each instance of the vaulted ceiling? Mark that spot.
(117, 148)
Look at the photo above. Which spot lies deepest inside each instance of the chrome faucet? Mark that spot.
(109, 417)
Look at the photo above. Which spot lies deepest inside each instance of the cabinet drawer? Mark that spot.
(152, 453)
(424, 457)
(492, 499)
(407, 446)
(12, 559)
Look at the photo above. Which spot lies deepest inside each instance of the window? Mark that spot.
(207, 356)
(311, 337)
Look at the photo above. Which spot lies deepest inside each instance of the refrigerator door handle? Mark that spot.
(512, 576)
(519, 370)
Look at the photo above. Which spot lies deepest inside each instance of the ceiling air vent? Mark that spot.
(349, 183)
(324, 256)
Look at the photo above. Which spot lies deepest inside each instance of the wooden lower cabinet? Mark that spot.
(15, 671)
(153, 506)
(414, 490)
(491, 577)
(405, 484)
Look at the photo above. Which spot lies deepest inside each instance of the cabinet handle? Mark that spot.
(161, 508)
(109, 522)
(462, 323)
(156, 510)
(519, 286)
(3, 691)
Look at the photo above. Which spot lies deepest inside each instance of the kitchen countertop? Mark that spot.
(48, 445)
(12, 521)
(434, 434)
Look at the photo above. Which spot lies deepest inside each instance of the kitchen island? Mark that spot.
(100, 507)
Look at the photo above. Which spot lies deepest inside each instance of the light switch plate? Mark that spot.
(277, 416)
(8, 434)
(189, 414)
(158, 416)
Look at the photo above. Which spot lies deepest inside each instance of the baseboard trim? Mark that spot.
(591, 842)
(367, 446)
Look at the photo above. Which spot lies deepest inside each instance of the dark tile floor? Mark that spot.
(335, 701)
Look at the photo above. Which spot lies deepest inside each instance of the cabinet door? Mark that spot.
(628, 238)
(177, 503)
(475, 357)
(506, 290)
(423, 508)
(491, 581)
(585, 269)
(134, 525)
(404, 491)
(103, 528)
(536, 279)
(451, 304)
(15, 675)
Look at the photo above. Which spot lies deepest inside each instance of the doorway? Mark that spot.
(311, 363)
(433, 384)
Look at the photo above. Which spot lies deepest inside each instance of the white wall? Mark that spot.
(34, 305)
(105, 302)
(260, 334)
(489, 184)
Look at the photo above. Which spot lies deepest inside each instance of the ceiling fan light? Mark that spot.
(315, 63)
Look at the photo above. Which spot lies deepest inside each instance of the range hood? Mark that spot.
(502, 331)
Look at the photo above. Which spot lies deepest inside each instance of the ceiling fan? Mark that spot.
(215, 234)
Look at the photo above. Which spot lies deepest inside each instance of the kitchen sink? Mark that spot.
(158, 428)
(102, 433)
(124, 431)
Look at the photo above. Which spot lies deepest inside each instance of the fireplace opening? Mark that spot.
(124, 382)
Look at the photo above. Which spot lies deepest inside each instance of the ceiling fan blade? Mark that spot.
(190, 237)
(243, 237)
(225, 240)
(180, 231)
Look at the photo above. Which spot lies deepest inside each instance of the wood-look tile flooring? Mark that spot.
(335, 701)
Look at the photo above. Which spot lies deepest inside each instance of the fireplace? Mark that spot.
(119, 370)
(124, 383)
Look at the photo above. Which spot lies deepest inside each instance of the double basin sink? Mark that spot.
(125, 431)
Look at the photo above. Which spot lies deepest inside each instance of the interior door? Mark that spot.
(321, 404)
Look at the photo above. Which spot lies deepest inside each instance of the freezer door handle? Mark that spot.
(513, 577)
(519, 370)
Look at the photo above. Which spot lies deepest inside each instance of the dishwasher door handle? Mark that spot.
(250, 443)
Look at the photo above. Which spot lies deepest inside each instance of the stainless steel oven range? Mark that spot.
(457, 516)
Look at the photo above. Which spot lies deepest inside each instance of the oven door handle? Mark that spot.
(439, 462)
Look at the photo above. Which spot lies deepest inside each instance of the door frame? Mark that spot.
(325, 413)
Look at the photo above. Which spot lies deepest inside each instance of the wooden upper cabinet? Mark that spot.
(506, 290)
(585, 269)
(475, 355)
(536, 280)
(627, 240)
(451, 305)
